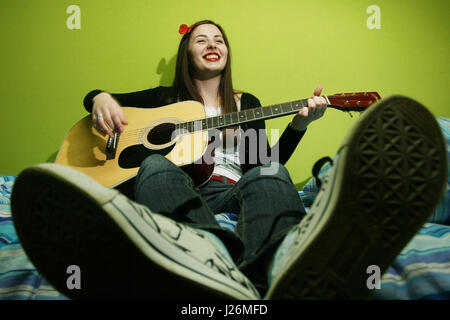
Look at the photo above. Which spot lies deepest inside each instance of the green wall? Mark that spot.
(281, 51)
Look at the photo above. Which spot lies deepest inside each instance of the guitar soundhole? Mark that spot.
(161, 134)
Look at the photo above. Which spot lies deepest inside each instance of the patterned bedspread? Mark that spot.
(19, 279)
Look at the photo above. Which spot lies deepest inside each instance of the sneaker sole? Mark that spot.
(63, 218)
(390, 175)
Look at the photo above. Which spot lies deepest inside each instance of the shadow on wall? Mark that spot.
(167, 71)
(52, 157)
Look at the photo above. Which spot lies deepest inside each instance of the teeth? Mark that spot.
(212, 56)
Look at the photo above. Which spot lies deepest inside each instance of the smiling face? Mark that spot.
(208, 51)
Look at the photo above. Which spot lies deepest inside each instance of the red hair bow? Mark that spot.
(185, 29)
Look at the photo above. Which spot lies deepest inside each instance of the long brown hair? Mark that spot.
(183, 76)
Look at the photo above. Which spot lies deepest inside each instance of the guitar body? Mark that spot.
(149, 132)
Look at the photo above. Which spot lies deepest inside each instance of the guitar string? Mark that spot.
(166, 125)
(340, 97)
(127, 137)
(136, 133)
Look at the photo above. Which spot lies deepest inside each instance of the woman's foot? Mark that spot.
(120, 248)
(388, 176)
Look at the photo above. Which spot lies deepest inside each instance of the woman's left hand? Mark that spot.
(316, 108)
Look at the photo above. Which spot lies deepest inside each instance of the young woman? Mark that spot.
(168, 243)
(268, 206)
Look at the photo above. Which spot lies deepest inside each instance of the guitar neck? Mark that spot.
(245, 116)
(355, 101)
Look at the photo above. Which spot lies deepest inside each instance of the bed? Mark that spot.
(421, 270)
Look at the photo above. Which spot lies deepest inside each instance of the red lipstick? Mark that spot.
(211, 56)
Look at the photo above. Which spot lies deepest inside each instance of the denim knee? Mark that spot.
(272, 170)
(155, 163)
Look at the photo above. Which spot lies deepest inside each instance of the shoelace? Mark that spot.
(318, 166)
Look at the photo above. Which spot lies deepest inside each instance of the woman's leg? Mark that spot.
(270, 207)
(166, 189)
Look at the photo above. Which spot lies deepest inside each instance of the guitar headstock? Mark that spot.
(355, 101)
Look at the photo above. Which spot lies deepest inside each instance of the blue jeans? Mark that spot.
(268, 206)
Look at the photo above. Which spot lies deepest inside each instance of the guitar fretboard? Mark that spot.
(240, 117)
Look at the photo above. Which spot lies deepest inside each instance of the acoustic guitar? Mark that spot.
(178, 131)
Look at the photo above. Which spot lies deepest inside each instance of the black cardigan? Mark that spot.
(161, 96)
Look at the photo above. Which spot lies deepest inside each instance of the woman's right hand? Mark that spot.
(107, 115)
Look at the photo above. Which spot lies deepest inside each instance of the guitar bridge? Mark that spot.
(111, 146)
